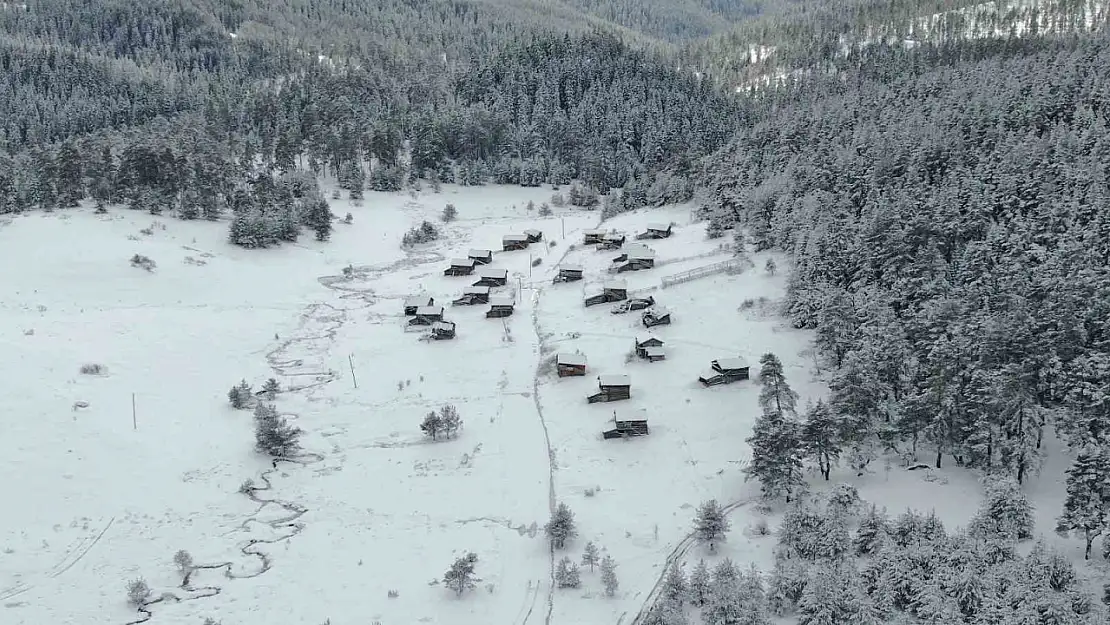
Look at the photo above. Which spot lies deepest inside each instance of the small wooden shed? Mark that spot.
(460, 267)
(492, 276)
(650, 349)
(473, 295)
(635, 259)
(501, 306)
(570, 364)
(569, 273)
(443, 330)
(657, 316)
(511, 242)
(416, 301)
(612, 388)
(590, 237)
(626, 429)
(612, 291)
(725, 371)
(480, 257)
(427, 315)
(612, 241)
(655, 231)
(534, 236)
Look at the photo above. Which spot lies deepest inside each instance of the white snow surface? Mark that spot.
(95, 499)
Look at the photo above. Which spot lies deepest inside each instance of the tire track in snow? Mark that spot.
(68, 561)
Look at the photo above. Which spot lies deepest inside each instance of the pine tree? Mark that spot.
(872, 531)
(675, 588)
(561, 527)
(449, 420)
(318, 218)
(567, 574)
(710, 523)
(1004, 513)
(432, 424)
(776, 456)
(820, 437)
(1087, 505)
(699, 583)
(775, 394)
(460, 577)
(272, 433)
(70, 179)
(590, 556)
(609, 576)
(240, 395)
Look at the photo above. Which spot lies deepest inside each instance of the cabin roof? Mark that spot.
(576, 360)
(514, 237)
(577, 268)
(732, 363)
(615, 380)
(655, 351)
(660, 311)
(429, 310)
(443, 325)
(659, 227)
(594, 232)
(502, 300)
(493, 272)
(649, 340)
(709, 374)
(640, 251)
(613, 236)
(462, 262)
(619, 285)
(532, 231)
(417, 300)
(479, 253)
(476, 290)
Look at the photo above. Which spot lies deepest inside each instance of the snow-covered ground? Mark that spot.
(100, 494)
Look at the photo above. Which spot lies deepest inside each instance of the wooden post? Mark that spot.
(351, 362)
(563, 224)
(134, 414)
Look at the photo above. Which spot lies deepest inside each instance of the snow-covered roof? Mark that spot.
(732, 363)
(462, 262)
(655, 351)
(576, 360)
(616, 284)
(650, 338)
(659, 227)
(443, 325)
(429, 311)
(515, 237)
(493, 272)
(615, 236)
(476, 290)
(615, 380)
(502, 300)
(641, 254)
(532, 232)
(417, 300)
(709, 374)
(577, 268)
(594, 232)
(479, 253)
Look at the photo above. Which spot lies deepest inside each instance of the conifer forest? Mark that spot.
(937, 172)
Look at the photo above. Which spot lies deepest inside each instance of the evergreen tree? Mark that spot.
(699, 583)
(566, 574)
(609, 576)
(820, 437)
(1004, 513)
(776, 456)
(1087, 505)
(775, 394)
(460, 577)
(432, 424)
(711, 523)
(449, 420)
(675, 588)
(70, 178)
(561, 527)
(240, 395)
(872, 531)
(273, 434)
(318, 217)
(590, 556)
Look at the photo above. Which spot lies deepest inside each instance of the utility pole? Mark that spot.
(351, 362)
(563, 223)
(134, 414)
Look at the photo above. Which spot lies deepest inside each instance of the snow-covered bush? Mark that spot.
(460, 577)
(240, 395)
(138, 592)
(561, 527)
(93, 368)
(426, 232)
(143, 262)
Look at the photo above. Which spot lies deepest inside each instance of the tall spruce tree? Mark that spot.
(776, 456)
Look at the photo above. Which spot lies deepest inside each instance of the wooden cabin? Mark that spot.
(657, 316)
(511, 242)
(473, 295)
(635, 303)
(534, 236)
(612, 241)
(569, 273)
(655, 231)
(612, 291)
(591, 237)
(611, 388)
(427, 315)
(627, 429)
(416, 301)
(650, 349)
(500, 307)
(460, 267)
(570, 365)
(480, 257)
(725, 371)
(443, 330)
(491, 276)
(635, 260)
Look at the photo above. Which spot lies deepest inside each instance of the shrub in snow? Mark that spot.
(557, 200)
(536, 262)
(566, 574)
(272, 433)
(843, 500)
(446, 421)
(710, 523)
(349, 219)
(138, 592)
(770, 267)
(760, 528)
(271, 388)
(1004, 513)
(590, 556)
(393, 594)
(561, 527)
(450, 213)
(425, 233)
(143, 262)
(208, 620)
(247, 486)
(545, 210)
(183, 560)
(460, 577)
(609, 576)
(93, 369)
(240, 395)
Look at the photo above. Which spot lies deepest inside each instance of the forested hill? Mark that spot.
(946, 210)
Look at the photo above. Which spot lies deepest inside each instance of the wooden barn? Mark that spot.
(534, 236)
(460, 267)
(635, 260)
(427, 315)
(612, 291)
(491, 276)
(570, 364)
(612, 241)
(591, 237)
(511, 242)
(657, 316)
(626, 428)
(416, 301)
(650, 349)
(655, 231)
(473, 295)
(633, 304)
(569, 273)
(442, 330)
(480, 257)
(725, 371)
(500, 307)
(611, 388)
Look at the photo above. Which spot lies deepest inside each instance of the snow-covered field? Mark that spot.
(109, 474)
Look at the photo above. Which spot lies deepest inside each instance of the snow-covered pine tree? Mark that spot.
(240, 395)
(785, 586)
(872, 532)
(561, 527)
(710, 523)
(675, 587)
(460, 577)
(590, 556)
(449, 420)
(776, 456)
(821, 438)
(1087, 505)
(318, 217)
(272, 433)
(810, 534)
(699, 583)
(775, 394)
(1005, 512)
(609, 576)
(432, 424)
(567, 574)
